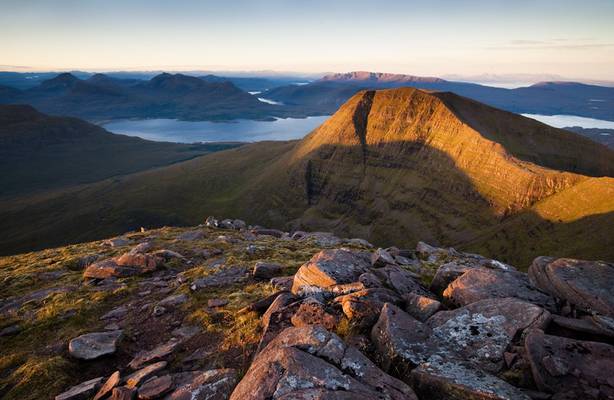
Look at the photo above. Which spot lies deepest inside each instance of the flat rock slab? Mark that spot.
(156, 387)
(214, 384)
(573, 369)
(108, 386)
(585, 284)
(401, 281)
(482, 331)
(312, 363)
(443, 379)
(265, 271)
(94, 345)
(136, 378)
(158, 353)
(82, 391)
(328, 268)
(486, 283)
(421, 307)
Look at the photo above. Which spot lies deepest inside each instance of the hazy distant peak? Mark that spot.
(63, 80)
(378, 77)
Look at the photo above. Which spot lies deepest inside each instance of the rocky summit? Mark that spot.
(225, 310)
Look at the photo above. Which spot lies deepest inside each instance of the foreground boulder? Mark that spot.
(214, 384)
(107, 269)
(481, 332)
(572, 369)
(415, 353)
(94, 345)
(312, 363)
(486, 283)
(363, 307)
(444, 379)
(587, 285)
(329, 268)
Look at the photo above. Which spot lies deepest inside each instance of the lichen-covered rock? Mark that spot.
(573, 369)
(584, 284)
(328, 268)
(421, 307)
(445, 379)
(363, 307)
(401, 341)
(486, 283)
(215, 384)
(482, 331)
(94, 345)
(312, 363)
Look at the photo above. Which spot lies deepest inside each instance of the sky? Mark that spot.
(433, 38)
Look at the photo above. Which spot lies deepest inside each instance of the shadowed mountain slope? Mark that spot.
(39, 152)
(394, 166)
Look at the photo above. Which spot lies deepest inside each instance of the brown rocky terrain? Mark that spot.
(229, 311)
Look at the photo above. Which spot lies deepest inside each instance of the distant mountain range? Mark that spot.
(210, 97)
(393, 166)
(40, 153)
(548, 98)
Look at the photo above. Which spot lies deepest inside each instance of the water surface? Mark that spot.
(562, 121)
(172, 130)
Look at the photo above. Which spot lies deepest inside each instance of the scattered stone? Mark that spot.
(277, 317)
(585, 284)
(116, 242)
(51, 275)
(282, 282)
(446, 274)
(108, 268)
(485, 283)
(381, 258)
(116, 313)
(141, 248)
(572, 369)
(211, 222)
(142, 262)
(108, 386)
(224, 277)
(265, 271)
(155, 387)
(111, 327)
(94, 345)
(191, 236)
(158, 311)
(321, 239)
(268, 232)
(136, 378)
(421, 307)
(359, 242)
(167, 255)
(262, 305)
(587, 325)
(173, 301)
(482, 331)
(370, 280)
(158, 353)
(312, 312)
(82, 391)
(328, 268)
(215, 384)
(185, 331)
(10, 330)
(312, 363)
(213, 303)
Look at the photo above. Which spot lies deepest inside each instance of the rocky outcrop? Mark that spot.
(329, 268)
(572, 369)
(312, 363)
(485, 283)
(586, 285)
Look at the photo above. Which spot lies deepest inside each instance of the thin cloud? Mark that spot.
(552, 44)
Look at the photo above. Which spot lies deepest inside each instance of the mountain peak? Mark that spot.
(379, 77)
(64, 80)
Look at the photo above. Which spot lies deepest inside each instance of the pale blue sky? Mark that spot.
(570, 38)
